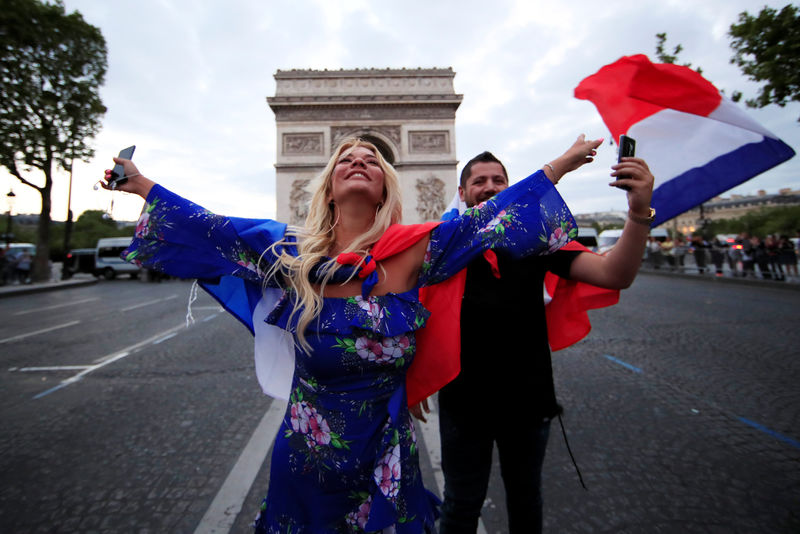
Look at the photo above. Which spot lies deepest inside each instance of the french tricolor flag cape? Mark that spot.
(697, 142)
(438, 358)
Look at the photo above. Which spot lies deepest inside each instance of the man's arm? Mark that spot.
(618, 268)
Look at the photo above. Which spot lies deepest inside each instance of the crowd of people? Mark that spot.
(773, 257)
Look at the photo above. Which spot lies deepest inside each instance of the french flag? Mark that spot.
(696, 141)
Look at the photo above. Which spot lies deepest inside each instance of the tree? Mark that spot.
(95, 224)
(664, 57)
(52, 65)
(767, 49)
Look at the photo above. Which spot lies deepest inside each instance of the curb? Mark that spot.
(725, 279)
(13, 291)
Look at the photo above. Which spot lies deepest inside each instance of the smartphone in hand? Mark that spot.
(118, 172)
(627, 149)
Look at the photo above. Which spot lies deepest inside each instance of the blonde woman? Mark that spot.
(345, 459)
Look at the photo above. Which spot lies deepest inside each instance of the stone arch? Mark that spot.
(387, 147)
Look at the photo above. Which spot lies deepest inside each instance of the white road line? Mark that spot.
(111, 358)
(56, 306)
(148, 303)
(227, 504)
(168, 336)
(53, 368)
(430, 435)
(37, 332)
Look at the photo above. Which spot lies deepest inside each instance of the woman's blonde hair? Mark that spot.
(314, 240)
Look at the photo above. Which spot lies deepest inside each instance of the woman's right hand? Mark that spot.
(136, 183)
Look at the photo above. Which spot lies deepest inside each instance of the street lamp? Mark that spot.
(10, 198)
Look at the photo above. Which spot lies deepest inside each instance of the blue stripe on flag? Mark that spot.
(700, 184)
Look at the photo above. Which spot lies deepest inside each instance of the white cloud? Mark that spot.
(188, 81)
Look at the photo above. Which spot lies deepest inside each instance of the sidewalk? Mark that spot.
(12, 290)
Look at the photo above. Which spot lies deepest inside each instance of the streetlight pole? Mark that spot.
(67, 226)
(10, 197)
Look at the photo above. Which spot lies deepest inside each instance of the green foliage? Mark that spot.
(91, 226)
(664, 57)
(767, 48)
(764, 222)
(52, 65)
(51, 68)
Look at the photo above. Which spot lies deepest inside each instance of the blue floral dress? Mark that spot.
(346, 458)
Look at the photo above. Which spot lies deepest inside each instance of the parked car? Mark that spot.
(588, 238)
(108, 263)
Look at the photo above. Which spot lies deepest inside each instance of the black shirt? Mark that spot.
(505, 354)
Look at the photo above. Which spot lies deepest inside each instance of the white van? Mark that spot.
(107, 262)
(587, 236)
(607, 239)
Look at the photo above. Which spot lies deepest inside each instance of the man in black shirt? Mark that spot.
(504, 392)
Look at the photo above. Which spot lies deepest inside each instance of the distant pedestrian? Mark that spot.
(23, 268)
(773, 250)
(654, 255)
(760, 257)
(699, 246)
(787, 256)
(748, 255)
(718, 255)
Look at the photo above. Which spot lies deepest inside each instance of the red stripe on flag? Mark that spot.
(673, 86)
(632, 88)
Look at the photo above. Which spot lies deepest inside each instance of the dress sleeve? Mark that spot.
(185, 240)
(528, 218)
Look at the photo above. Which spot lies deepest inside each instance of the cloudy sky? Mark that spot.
(188, 80)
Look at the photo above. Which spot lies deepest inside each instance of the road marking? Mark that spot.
(786, 439)
(433, 444)
(626, 365)
(168, 336)
(105, 360)
(227, 504)
(56, 306)
(148, 303)
(762, 428)
(53, 368)
(37, 332)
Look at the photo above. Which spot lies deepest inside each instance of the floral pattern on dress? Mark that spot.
(562, 235)
(381, 350)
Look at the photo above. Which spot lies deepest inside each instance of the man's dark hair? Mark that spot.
(483, 157)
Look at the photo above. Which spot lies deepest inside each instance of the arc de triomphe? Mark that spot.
(408, 113)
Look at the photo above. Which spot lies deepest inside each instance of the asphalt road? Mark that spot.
(681, 409)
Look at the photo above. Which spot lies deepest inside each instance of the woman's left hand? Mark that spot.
(634, 174)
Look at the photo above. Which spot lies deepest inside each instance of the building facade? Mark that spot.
(732, 207)
(409, 114)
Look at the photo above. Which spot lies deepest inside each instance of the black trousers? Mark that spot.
(467, 444)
